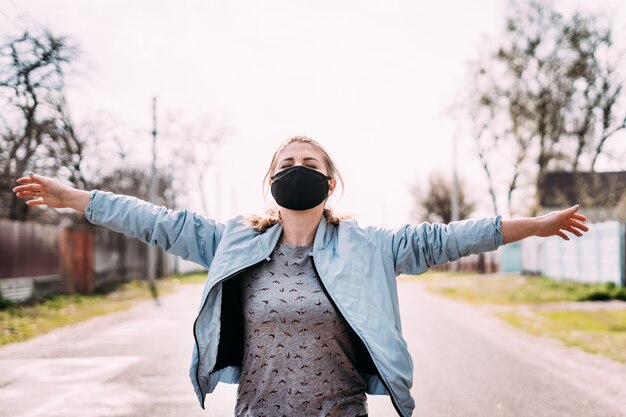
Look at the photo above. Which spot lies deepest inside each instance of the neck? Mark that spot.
(299, 227)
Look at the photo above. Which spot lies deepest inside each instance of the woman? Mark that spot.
(300, 307)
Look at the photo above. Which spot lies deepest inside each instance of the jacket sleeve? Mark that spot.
(414, 249)
(180, 232)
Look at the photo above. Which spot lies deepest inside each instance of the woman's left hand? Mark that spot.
(557, 223)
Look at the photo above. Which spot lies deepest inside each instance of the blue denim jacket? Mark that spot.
(357, 266)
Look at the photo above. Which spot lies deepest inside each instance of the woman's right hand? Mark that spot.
(51, 192)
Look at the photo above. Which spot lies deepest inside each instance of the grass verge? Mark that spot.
(22, 322)
(524, 302)
(489, 289)
(599, 331)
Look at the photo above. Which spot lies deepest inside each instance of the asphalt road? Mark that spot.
(135, 363)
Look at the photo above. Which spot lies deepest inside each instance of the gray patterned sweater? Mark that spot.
(298, 352)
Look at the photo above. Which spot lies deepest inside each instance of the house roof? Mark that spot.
(592, 189)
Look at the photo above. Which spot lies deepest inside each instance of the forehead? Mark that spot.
(298, 150)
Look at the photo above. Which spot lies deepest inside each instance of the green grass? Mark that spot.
(507, 290)
(438, 276)
(196, 278)
(22, 322)
(599, 331)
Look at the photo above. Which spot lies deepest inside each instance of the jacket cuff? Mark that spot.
(497, 222)
(89, 209)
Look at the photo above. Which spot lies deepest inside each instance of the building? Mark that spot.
(602, 195)
(600, 256)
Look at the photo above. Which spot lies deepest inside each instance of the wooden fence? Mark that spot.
(39, 260)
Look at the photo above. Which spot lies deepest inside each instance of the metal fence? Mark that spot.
(39, 260)
(28, 249)
(482, 263)
(599, 256)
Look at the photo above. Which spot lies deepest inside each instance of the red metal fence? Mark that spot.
(28, 249)
(77, 261)
(38, 260)
(482, 263)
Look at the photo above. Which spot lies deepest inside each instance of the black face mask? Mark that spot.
(299, 188)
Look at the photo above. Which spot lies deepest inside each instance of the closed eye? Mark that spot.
(312, 166)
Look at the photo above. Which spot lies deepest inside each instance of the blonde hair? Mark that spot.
(272, 214)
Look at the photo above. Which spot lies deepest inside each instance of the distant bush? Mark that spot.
(5, 303)
(608, 292)
(620, 294)
(596, 296)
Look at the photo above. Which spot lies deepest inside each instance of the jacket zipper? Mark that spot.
(382, 379)
(266, 258)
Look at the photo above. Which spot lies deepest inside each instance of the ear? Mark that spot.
(332, 183)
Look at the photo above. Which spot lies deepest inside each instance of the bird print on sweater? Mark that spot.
(298, 351)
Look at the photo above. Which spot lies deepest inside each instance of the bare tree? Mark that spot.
(112, 164)
(435, 203)
(36, 131)
(482, 127)
(192, 146)
(134, 180)
(186, 150)
(547, 96)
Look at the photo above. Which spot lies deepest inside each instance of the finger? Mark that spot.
(24, 180)
(563, 235)
(572, 209)
(34, 179)
(579, 216)
(38, 178)
(574, 231)
(27, 187)
(36, 202)
(28, 194)
(578, 225)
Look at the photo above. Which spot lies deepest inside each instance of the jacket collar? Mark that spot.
(321, 240)
(270, 237)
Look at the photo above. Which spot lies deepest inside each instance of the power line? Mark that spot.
(85, 74)
(32, 20)
(112, 90)
(15, 22)
(18, 6)
(104, 86)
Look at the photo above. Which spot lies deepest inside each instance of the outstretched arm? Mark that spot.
(180, 232)
(51, 192)
(555, 223)
(414, 249)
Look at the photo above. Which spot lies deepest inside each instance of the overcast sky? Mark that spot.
(370, 80)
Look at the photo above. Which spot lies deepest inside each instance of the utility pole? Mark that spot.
(454, 203)
(454, 195)
(233, 201)
(152, 250)
(218, 195)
